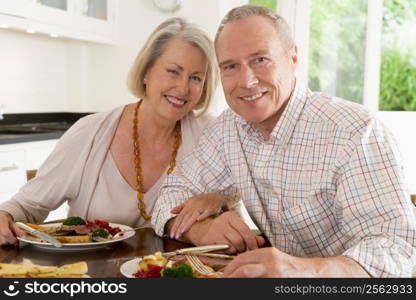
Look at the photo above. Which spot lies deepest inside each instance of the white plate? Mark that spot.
(130, 267)
(79, 247)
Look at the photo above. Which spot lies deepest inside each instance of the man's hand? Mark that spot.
(271, 262)
(228, 228)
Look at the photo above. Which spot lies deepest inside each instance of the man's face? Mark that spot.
(257, 70)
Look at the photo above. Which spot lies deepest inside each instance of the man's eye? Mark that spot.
(260, 59)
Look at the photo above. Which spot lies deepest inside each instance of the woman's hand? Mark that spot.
(193, 210)
(8, 230)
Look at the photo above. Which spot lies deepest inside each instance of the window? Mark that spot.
(357, 50)
(59, 4)
(96, 9)
(337, 48)
(398, 58)
(272, 4)
(360, 50)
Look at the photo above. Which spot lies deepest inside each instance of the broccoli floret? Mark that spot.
(74, 221)
(182, 270)
(101, 232)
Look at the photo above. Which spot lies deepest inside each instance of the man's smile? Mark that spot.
(253, 97)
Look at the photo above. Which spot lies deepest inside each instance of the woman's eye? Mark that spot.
(229, 67)
(172, 71)
(196, 78)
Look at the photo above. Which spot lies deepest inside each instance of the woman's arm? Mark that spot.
(57, 180)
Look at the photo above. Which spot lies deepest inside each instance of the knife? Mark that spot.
(200, 249)
(42, 235)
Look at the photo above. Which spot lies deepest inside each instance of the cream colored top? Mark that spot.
(120, 193)
(81, 170)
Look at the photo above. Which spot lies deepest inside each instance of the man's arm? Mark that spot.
(378, 215)
(203, 171)
(271, 262)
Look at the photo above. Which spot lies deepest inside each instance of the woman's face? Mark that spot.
(175, 82)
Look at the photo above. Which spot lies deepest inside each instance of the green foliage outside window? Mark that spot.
(337, 50)
(398, 63)
(272, 4)
(337, 47)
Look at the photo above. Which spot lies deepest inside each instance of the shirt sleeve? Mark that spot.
(201, 171)
(378, 214)
(57, 180)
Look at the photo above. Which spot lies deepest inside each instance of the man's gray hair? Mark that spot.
(245, 11)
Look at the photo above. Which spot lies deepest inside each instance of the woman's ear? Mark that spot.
(145, 77)
(295, 54)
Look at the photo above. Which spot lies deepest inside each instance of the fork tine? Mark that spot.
(194, 264)
(198, 265)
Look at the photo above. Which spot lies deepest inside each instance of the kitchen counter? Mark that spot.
(30, 127)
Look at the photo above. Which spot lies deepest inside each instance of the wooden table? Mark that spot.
(104, 262)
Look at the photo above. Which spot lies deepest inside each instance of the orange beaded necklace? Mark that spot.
(137, 161)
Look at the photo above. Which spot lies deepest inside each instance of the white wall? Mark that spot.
(43, 74)
(33, 72)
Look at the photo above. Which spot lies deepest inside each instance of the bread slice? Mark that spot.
(78, 269)
(74, 239)
(13, 269)
(74, 270)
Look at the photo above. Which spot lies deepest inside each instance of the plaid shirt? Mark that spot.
(328, 182)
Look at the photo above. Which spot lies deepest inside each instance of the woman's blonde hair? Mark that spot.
(155, 47)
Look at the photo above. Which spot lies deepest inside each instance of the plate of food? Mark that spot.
(76, 235)
(157, 266)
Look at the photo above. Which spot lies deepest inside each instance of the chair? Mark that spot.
(413, 198)
(30, 174)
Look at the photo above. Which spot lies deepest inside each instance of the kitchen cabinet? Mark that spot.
(90, 20)
(15, 159)
(16, 8)
(97, 17)
(54, 12)
(12, 169)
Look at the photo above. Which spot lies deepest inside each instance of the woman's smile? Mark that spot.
(175, 101)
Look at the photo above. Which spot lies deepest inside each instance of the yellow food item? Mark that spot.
(78, 269)
(153, 259)
(74, 239)
(158, 260)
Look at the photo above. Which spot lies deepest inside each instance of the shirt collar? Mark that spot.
(288, 120)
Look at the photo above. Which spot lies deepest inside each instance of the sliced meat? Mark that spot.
(79, 229)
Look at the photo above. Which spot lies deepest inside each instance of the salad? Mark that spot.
(158, 266)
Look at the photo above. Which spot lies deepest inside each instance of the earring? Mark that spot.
(145, 80)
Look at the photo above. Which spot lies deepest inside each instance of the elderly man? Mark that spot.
(319, 175)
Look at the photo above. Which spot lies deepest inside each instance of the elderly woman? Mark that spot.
(110, 165)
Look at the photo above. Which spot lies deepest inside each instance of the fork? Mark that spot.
(199, 266)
